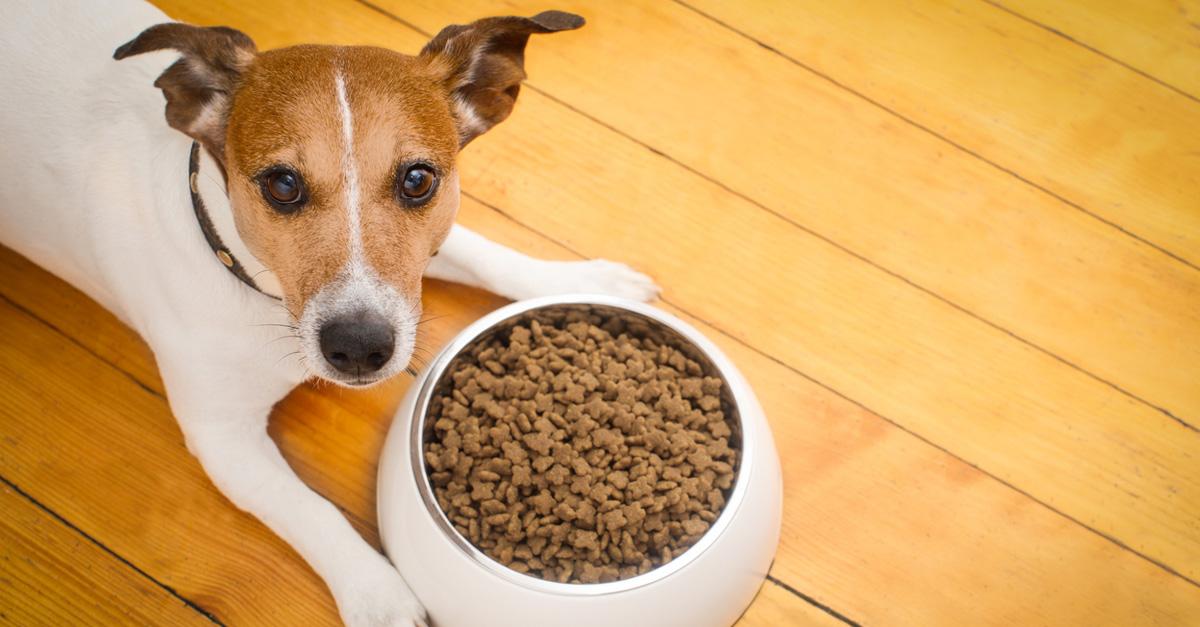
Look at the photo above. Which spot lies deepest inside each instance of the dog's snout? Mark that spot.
(357, 344)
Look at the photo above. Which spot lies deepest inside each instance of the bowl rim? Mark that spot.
(739, 390)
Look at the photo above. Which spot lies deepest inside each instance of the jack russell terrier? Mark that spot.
(290, 204)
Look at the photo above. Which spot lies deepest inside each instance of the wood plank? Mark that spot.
(883, 189)
(872, 514)
(104, 453)
(51, 575)
(1072, 442)
(1094, 132)
(1158, 37)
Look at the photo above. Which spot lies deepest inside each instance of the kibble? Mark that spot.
(581, 448)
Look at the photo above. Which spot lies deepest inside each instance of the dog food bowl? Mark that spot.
(710, 583)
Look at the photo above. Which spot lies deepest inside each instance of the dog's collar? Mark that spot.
(267, 282)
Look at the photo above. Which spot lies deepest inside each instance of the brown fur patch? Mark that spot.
(286, 112)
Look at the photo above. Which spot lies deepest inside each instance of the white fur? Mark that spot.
(93, 187)
(210, 115)
(357, 256)
(469, 258)
(469, 122)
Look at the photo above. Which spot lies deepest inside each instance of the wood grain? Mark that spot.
(794, 225)
(104, 453)
(887, 191)
(855, 537)
(51, 575)
(1158, 37)
(1117, 144)
(166, 525)
(1056, 433)
(873, 515)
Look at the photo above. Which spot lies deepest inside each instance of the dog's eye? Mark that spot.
(283, 189)
(417, 183)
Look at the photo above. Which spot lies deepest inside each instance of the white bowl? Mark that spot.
(710, 583)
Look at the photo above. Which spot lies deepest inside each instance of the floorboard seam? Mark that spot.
(168, 589)
(1163, 410)
(828, 610)
(948, 452)
(901, 277)
(1093, 49)
(146, 388)
(864, 407)
(772, 358)
(392, 16)
(345, 512)
(21, 308)
(811, 601)
(948, 141)
(881, 268)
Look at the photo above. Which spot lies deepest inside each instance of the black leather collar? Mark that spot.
(210, 232)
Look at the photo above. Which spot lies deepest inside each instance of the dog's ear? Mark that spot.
(199, 86)
(483, 64)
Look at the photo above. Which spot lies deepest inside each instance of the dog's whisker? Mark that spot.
(282, 337)
(208, 175)
(286, 356)
(289, 311)
(421, 362)
(276, 324)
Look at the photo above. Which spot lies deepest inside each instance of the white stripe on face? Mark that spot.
(358, 261)
(357, 287)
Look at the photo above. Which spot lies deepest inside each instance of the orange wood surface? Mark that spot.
(953, 250)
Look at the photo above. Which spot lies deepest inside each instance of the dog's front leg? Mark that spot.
(469, 258)
(230, 439)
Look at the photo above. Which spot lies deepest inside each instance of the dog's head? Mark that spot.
(340, 165)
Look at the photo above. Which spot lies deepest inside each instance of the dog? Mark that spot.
(289, 205)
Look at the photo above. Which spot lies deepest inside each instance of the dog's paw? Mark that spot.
(596, 276)
(381, 600)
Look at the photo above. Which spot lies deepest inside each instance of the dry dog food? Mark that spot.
(581, 449)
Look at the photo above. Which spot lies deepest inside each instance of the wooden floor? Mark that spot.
(955, 246)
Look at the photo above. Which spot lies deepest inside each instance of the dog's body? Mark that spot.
(95, 189)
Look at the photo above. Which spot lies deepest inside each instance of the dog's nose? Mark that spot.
(358, 343)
